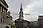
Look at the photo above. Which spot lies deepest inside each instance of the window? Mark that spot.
(1, 8)
(1, 20)
(5, 11)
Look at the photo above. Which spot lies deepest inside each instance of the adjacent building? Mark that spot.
(5, 18)
(34, 24)
(40, 21)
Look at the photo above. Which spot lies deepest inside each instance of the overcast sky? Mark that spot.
(32, 7)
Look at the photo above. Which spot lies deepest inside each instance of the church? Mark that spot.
(20, 22)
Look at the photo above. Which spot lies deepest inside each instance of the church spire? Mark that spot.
(21, 13)
(21, 8)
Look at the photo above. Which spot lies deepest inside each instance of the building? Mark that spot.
(20, 22)
(34, 24)
(40, 21)
(4, 15)
(9, 17)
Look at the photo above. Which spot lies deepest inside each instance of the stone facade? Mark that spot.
(4, 15)
(40, 21)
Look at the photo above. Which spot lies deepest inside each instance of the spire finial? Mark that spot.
(21, 5)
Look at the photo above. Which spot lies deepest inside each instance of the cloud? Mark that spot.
(30, 17)
(28, 8)
(33, 7)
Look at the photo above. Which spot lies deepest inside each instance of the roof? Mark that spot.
(22, 20)
(40, 16)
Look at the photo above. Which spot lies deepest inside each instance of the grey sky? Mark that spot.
(33, 7)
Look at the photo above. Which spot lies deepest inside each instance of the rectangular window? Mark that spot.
(1, 8)
(1, 20)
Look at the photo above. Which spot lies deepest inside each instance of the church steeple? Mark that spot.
(21, 8)
(21, 13)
